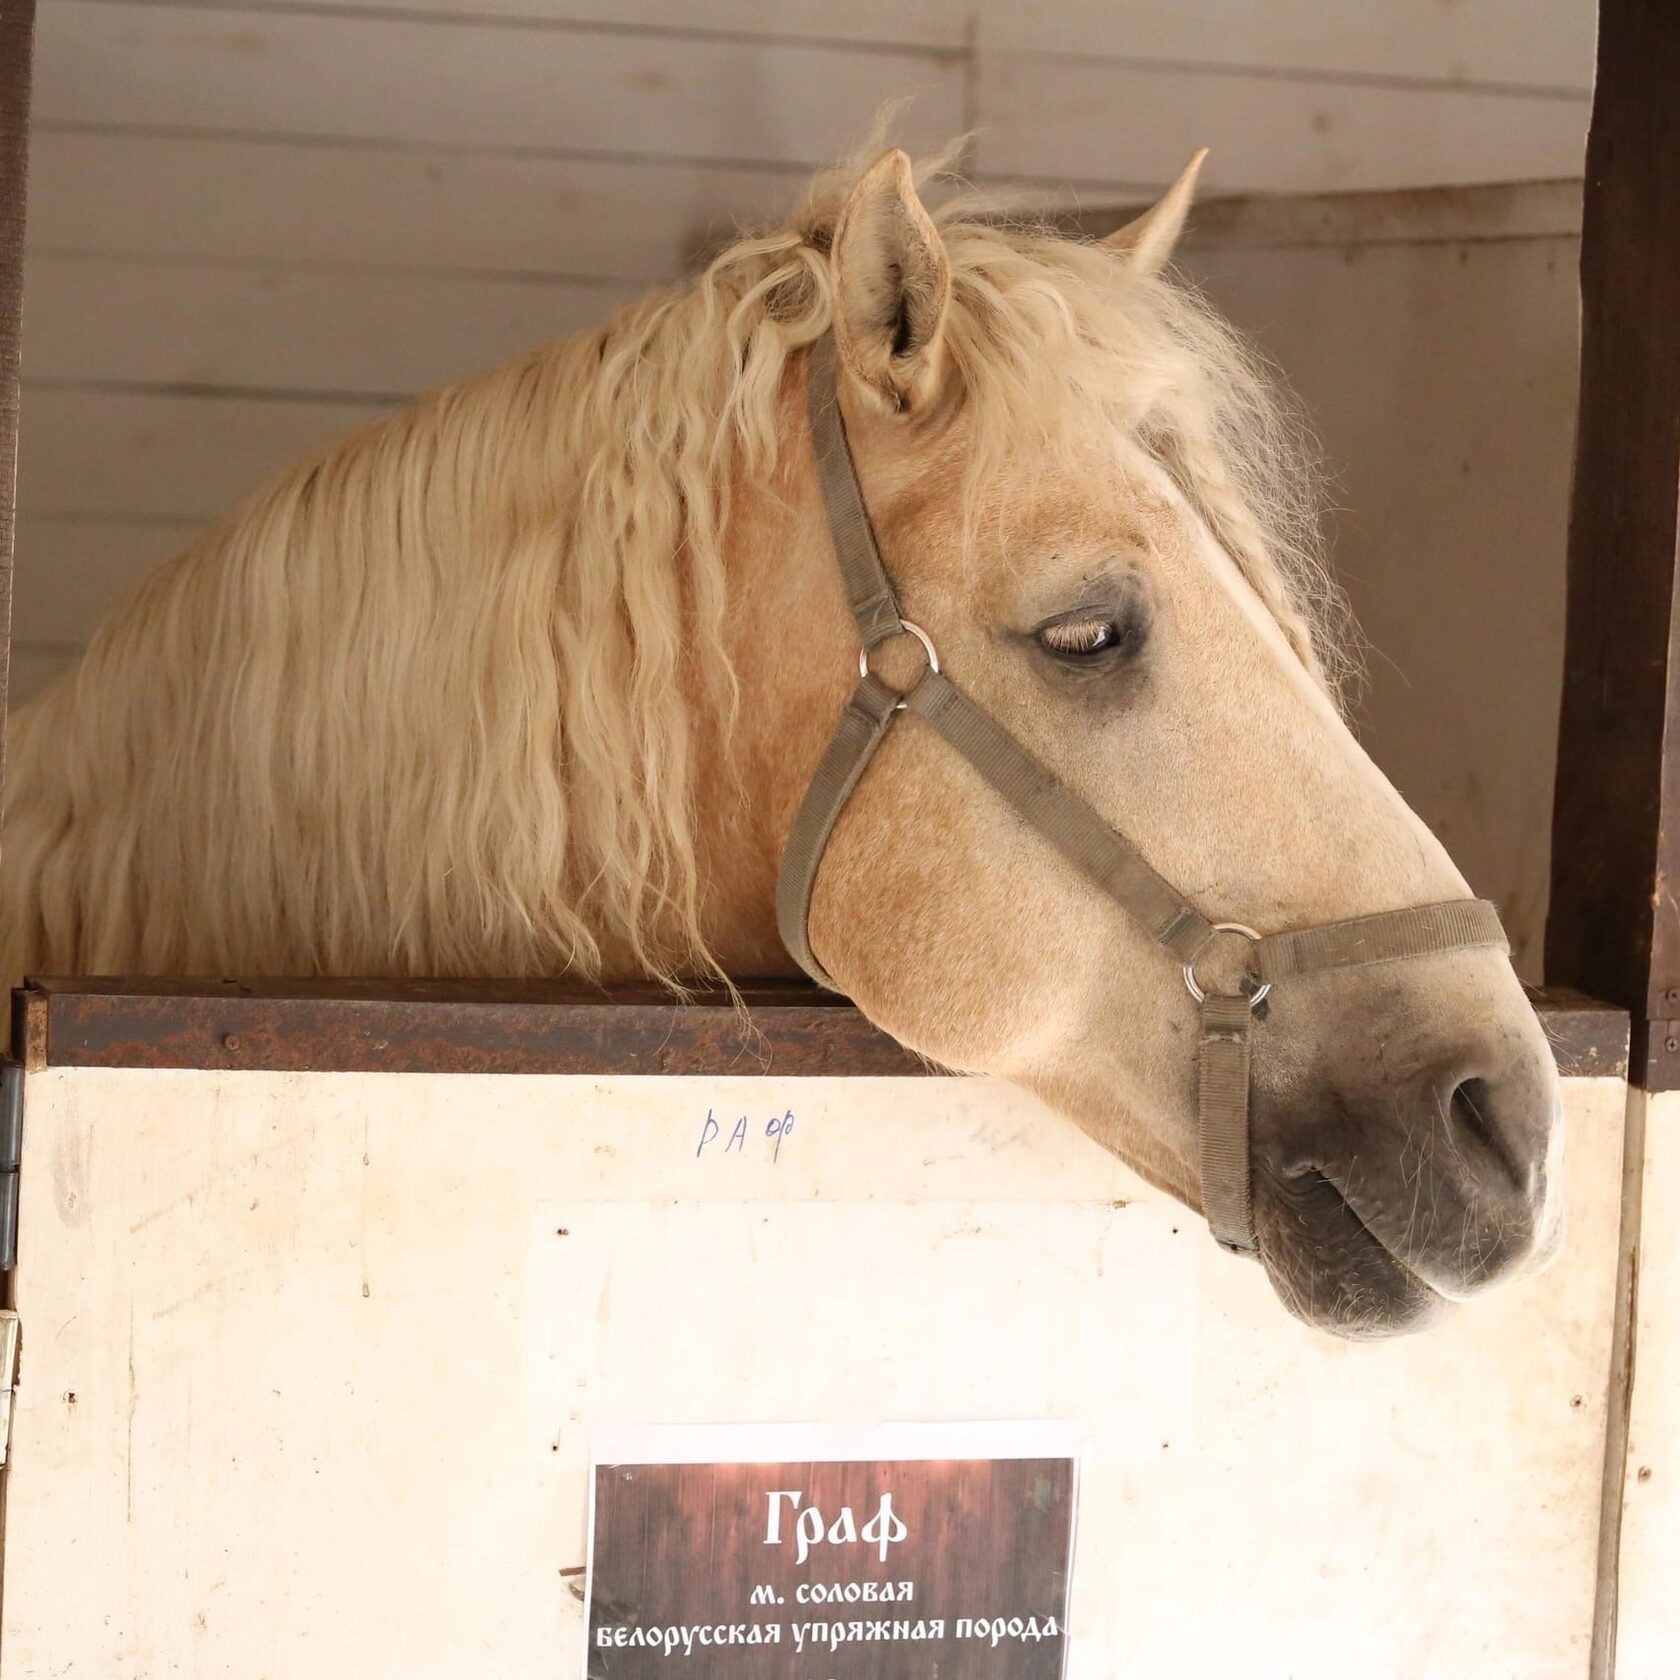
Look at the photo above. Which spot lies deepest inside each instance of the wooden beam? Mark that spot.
(1614, 929)
(17, 37)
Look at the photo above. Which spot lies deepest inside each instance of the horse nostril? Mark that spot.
(1470, 1106)
(1473, 1109)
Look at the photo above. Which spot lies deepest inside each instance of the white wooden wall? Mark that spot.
(1648, 1637)
(252, 226)
(307, 1389)
(1433, 339)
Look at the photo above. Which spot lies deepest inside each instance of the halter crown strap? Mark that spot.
(1103, 855)
(869, 591)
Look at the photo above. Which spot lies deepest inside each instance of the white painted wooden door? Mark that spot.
(310, 1364)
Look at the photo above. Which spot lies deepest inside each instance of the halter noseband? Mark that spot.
(1074, 828)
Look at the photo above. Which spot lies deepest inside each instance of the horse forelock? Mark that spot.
(1045, 331)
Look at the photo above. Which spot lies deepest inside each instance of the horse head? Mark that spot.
(1074, 480)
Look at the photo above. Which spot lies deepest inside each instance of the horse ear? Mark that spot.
(1148, 242)
(892, 286)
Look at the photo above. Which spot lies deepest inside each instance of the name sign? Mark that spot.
(893, 1553)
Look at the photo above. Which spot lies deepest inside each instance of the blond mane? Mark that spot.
(507, 604)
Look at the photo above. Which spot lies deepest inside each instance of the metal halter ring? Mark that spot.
(1258, 996)
(906, 627)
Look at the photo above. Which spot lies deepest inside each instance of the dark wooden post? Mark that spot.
(17, 39)
(17, 43)
(1614, 929)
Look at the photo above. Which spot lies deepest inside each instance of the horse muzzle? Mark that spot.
(1412, 1178)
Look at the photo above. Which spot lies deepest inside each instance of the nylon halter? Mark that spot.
(1105, 856)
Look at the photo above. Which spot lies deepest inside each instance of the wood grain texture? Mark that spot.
(1055, 119)
(17, 33)
(441, 81)
(166, 456)
(1505, 42)
(71, 570)
(424, 209)
(34, 665)
(1485, 42)
(1440, 378)
(1615, 923)
(1498, 213)
(1642, 1607)
(1498, 42)
(257, 328)
(923, 23)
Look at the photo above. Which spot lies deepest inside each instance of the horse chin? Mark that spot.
(1327, 1267)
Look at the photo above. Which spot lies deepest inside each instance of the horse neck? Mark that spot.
(787, 637)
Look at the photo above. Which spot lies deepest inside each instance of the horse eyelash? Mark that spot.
(1091, 635)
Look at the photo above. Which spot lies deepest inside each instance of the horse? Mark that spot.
(530, 678)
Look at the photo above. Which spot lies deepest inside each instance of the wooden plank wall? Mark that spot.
(255, 225)
(1432, 338)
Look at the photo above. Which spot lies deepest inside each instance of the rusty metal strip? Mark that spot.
(433, 1028)
(789, 1028)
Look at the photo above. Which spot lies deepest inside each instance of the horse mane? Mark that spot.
(503, 606)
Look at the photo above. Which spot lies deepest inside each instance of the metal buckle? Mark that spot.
(905, 628)
(1257, 996)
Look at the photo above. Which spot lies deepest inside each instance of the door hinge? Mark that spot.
(1661, 1071)
(11, 1157)
(8, 1377)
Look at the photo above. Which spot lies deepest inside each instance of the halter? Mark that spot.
(1105, 856)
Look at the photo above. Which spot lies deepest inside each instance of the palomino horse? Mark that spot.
(531, 680)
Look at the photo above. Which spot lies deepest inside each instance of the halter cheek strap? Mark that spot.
(1100, 853)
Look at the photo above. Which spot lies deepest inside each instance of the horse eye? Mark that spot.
(1082, 638)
